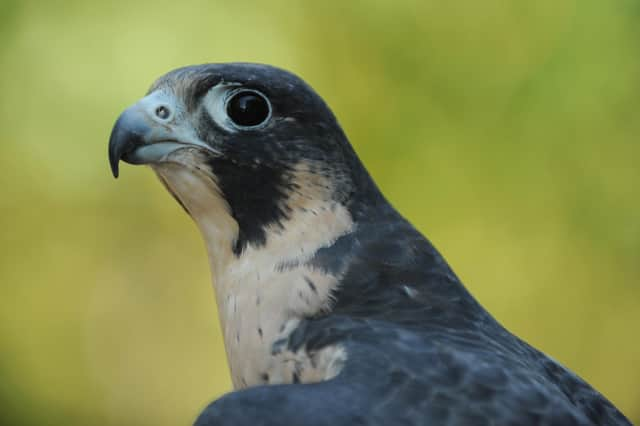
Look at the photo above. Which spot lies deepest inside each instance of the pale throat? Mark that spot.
(266, 290)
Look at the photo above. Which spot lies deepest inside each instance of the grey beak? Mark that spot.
(129, 133)
(149, 131)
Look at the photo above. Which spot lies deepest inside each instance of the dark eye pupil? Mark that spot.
(247, 109)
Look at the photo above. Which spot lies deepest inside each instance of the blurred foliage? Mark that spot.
(507, 130)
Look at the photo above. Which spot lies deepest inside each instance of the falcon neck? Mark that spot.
(263, 289)
(322, 256)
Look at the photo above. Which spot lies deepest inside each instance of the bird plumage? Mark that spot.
(336, 310)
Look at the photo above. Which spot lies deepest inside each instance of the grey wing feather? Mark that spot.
(395, 376)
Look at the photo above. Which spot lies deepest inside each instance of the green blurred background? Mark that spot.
(506, 130)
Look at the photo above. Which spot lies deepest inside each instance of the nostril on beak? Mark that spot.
(163, 112)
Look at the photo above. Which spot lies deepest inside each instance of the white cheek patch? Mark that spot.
(198, 192)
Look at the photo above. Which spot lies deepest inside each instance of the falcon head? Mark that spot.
(255, 138)
(294, 226)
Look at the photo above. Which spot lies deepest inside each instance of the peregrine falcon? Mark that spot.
(335, 309)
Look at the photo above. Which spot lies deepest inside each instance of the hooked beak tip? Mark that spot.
(114, 170)
(127, 134)
(114, 156)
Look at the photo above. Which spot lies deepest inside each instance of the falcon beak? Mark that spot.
(148, 132)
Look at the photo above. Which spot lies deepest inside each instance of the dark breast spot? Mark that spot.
(311, 285)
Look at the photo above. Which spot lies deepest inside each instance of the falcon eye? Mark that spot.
(248, 108)
(162, 112)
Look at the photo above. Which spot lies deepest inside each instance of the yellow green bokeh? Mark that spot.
(506, 130)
